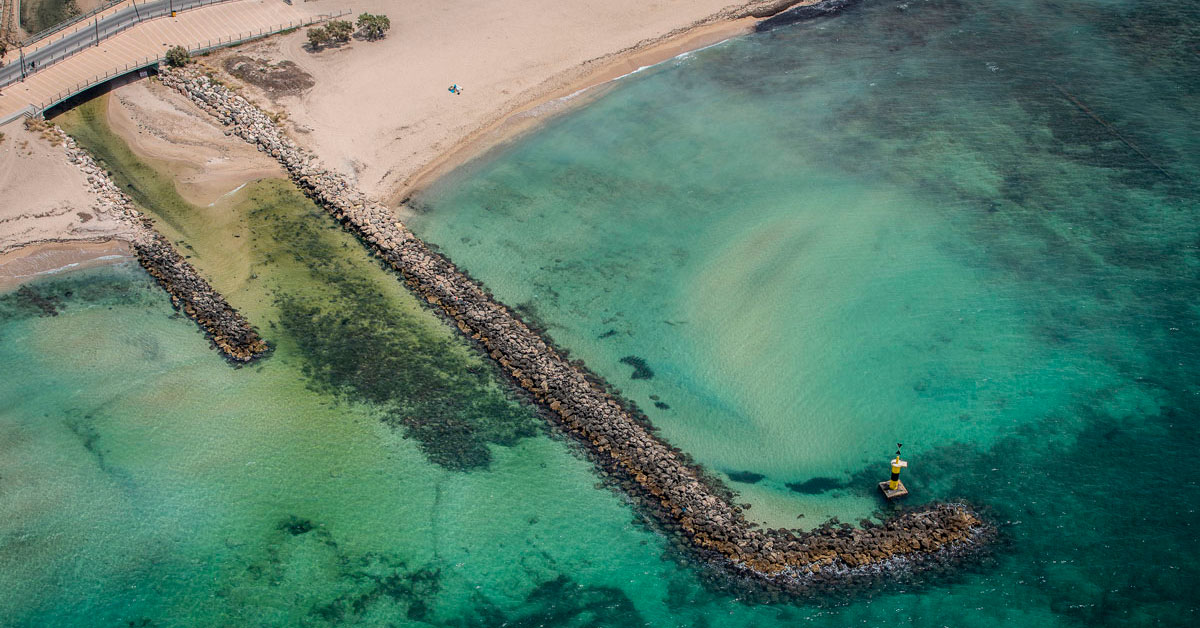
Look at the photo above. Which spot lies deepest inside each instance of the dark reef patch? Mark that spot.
(816, 486)
(47, 305)
(640, 369)
(802, 13)
(560, 602)
(296, 526)
(746, 477)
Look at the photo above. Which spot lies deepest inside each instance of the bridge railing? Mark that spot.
(100, 34)
(44, 33)
(198, 48)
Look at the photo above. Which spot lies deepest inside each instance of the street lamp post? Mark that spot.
(22, 63)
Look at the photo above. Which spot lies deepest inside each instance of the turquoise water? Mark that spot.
(888, 225)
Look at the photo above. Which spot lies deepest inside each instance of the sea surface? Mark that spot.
(968, 227)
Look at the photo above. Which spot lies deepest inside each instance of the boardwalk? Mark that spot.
(144, 44)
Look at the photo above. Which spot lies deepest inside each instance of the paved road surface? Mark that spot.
(147, 41)
(86, 35)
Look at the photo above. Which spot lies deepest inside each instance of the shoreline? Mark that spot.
(554, 96)
(583, 84)
(43, 258)
(586, 81)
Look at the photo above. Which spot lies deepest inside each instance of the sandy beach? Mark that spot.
(164, 128)
(379, 112)
(46, 205)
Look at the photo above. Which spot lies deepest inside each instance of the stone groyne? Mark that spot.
(228, 330)
(693, 509)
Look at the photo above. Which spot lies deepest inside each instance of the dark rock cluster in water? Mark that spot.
(229, 331)
(693, 509)
(804, 12)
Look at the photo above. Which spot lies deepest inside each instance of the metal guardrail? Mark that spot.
(46, 32)
(145, 62)
(104, 33)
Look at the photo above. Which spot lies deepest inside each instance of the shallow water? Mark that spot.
(810, 243)
(968, 227)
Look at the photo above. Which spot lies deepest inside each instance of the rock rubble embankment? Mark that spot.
(228, 330)
(690, 507)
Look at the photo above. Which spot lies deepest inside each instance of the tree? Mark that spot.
(373, 27)
(177, 56)
(339, 30)
(318, 37)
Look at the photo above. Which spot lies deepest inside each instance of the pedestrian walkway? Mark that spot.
(145, 44)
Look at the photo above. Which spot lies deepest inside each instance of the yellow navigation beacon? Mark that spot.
(894, 488)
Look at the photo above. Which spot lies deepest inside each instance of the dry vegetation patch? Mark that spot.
(284, 78)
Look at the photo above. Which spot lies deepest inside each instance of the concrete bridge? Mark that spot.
(124, 40)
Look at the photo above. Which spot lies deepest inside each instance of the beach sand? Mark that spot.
(381, 111)
(50, 258)
(45, 200)
(166, 129)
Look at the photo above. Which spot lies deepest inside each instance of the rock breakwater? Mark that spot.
(228, 330)
(695, 510)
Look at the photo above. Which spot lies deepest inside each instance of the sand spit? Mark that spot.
(228, 330)
(694, 509)
(43, 198)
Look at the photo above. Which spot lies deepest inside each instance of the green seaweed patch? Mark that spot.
(379, 579)
(360, 343)
(640, 369)
(92, 287)
(150, 189)
(560, 602)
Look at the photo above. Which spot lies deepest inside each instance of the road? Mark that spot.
(43, 56)
(145, 42)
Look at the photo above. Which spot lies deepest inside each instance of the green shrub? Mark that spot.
(318, 37)
(339, 30)
(373, 27)
(177, 57)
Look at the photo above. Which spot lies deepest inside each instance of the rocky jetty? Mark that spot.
(228, 330)
(695, 510)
